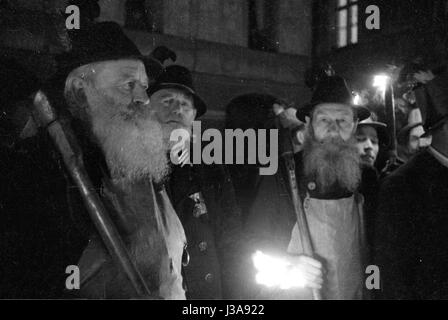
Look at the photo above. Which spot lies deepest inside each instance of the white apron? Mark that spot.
(336, 229)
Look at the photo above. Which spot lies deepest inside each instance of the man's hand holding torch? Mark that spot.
(288, 271)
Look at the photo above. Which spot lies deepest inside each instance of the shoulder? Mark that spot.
(415, 169)
(406, 184)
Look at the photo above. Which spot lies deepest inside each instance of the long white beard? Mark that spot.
(131, 141)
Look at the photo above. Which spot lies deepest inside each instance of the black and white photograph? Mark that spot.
(223, 154)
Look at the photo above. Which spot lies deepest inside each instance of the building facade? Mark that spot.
(233, 47)
(407, 29)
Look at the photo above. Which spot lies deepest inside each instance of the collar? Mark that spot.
(440, 157)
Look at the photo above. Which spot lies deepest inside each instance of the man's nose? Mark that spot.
(140, 96)
(368, 145)
(176, 107)
(333, 127)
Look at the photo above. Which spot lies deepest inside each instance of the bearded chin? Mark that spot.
(133, 146)
(333, 163)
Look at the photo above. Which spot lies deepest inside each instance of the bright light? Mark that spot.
(276, 272)
(381, 81)
(357, 100)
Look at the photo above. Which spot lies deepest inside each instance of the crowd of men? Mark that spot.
(184, 228)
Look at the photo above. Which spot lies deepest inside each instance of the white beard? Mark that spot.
(131, 140)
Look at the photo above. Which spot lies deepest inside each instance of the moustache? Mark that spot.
(135, 110)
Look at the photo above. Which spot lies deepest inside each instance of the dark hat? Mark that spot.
(250, 111)
(101, 42)
(178, 77)
(16, 82)
(432, 100)
(333, 89)
(381, 129)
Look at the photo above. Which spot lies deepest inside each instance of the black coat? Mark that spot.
(213, 238)
(41, 229)
(369, 188)
(411, 238)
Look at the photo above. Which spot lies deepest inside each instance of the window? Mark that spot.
(347, 22)
(263, 25)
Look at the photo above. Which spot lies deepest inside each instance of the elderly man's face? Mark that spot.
(173, 108)
(122, 123)
(330, 154)
(367, 144)
(331, 120)
(124, 83)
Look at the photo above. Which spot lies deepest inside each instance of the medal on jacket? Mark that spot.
(199, 208)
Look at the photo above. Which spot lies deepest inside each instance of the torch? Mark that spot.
(277, 272)
(292, 276)
(384, 84)
(65, 141)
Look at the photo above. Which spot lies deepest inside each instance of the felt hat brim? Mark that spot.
(362, 112)
(381, 129)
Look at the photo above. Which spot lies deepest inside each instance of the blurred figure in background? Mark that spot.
(412, 138)
(411, 240)
(371, 136)
(249, 111)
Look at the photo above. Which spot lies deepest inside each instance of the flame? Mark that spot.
(277, 272)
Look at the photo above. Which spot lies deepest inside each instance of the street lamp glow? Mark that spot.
(277, 272)
(381, 81)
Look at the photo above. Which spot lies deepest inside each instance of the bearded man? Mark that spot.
(126, 156)
(328, 174)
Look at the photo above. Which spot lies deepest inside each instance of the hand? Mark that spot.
(424, 76)
(310, 268)
(278, 108)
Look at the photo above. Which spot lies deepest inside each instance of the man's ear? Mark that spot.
(308, 121)
(195, 113)
(80, 96)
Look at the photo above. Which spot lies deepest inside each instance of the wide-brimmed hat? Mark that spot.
(432, 100)
(380, 127)
(179, 77)
(102, 42)
(16, 82)
(333, 89)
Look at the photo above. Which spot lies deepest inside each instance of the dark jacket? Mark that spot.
(204, 199)
(41, 231)
(411, 239)
(369, 189)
